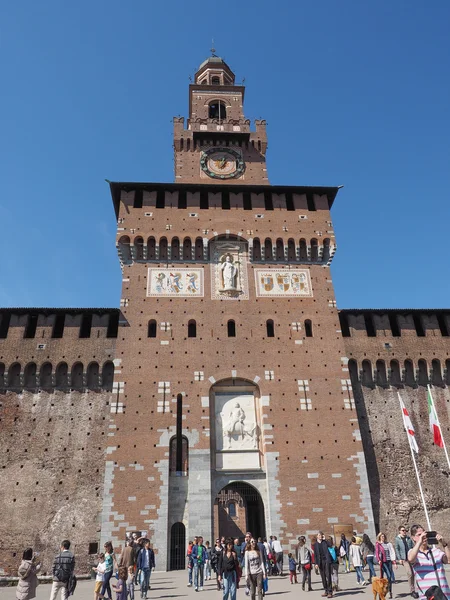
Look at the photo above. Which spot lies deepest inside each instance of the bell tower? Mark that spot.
(217, 144)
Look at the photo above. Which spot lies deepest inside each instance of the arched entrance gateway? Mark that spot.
(237, 457)
(239, 508)
(177, 547)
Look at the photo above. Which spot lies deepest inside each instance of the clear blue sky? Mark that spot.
(355, 93)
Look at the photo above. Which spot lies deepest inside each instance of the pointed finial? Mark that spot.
(213, 50)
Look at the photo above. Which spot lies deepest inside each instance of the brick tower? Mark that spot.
(232, 407)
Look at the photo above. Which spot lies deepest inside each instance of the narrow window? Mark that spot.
(231, 325)
(175, 249)
(410, 378)
(232, 510)
(225, 200)
(289, 201)
(436, 373)
(326, 250)
(61, 376)
(370, 328)
(303, 250)
(160, 198)
(393, 322)
(77, 376)
(204, 200)
(268, 249)
(14, 376)
(381, 373)
(58, 326)
(163, 248)
(247, 201)
(353, 370)
(308, 328)
(113, 325)
(45, 376)
(215, 81)
(343, 320)
(93, 376)
(291, 250)
(86, 325)
(268, 202)
(442, 324)
(217, 110)
(2, 375)
(29, 376)
(187, 249)
(192, 329)
(270, 328)
(151, 248)
(199, 249)
(314, 250)
(30, 328)
(395, 378)
(151, 328)
(280, 250)
(447, 371)
(4, 325)
(423, 373)
(108, 376)
(138, 198)
(310, 202)
(139, 248)
(418, 325)
(367, 378)
(256, 249)
(182, 199)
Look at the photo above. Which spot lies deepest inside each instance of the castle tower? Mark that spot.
(233, 408)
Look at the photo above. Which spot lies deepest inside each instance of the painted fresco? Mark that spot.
(175, 282)
(283, 282)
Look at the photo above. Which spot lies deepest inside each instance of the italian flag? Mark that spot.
(409, 427)
(434, 421)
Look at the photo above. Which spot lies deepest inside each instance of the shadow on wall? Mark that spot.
(367, 441)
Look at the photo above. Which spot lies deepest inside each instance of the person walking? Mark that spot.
(368, 554)
(227, 571)
(99, 573)
(323, 561)
(215, 555)
(28, 581)
(198, 559)
(334, 553)
(428, 562)
(278, 551)
(355, 557)
(385, 553)
(130, 583)
(121, 587)
(190, 564)
(63, 567)
(292, 568)
(241, 555)
(208, 551)
(304, 558)
(109, 568)
(402, 545)
(255, 569)
(344, 545)
(146, 562)
(127, 557)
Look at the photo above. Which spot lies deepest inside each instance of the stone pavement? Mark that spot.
(173, 585)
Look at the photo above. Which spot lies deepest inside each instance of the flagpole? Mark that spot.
(439, 424)
(417, 472)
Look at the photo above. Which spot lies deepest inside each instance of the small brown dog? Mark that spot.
(380, 586)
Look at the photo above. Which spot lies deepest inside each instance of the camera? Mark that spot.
(431, 538)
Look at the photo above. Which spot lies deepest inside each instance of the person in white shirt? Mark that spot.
(278, 551)
(99, 570)
(255, 569)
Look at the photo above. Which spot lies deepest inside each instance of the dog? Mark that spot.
(380, 586)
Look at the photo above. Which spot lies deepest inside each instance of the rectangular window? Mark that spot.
(4, 325)
(420, 331)
(268, 202)
(204, 201)
(86, 325)
(393, 322)
(160, 199)
(225, 200)
(310, 202)
(343, 319)
(58, 326)
(182, 199)
(30, 328)
(138, 198)
(247, 201)
(370, 327)
(113, 325)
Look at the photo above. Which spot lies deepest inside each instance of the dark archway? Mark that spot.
(239, 508)
(177, 547)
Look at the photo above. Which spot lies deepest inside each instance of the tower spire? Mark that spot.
(213, 50)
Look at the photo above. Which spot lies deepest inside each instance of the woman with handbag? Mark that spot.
(385, 553)
(28, 581)
(228, 571)
(305, 562)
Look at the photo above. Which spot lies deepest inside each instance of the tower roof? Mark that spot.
(217, 64)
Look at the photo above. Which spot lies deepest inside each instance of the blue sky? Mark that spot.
(355, 94)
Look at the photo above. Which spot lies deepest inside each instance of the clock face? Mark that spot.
(222, 163)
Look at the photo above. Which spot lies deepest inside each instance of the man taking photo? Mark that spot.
(428, 562)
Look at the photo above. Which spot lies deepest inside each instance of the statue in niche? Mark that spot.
(235, 429)
(230, 272)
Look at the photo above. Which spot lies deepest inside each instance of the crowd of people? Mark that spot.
(422, 555)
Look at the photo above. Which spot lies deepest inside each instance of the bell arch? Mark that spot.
(238, 508)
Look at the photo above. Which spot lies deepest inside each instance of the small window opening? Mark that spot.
(270, 328)
(395, 378)
(215, 81)
(204, 201)
(192, 329)
(160, 199)
(268, 201)
(93, 548)
(138, 198)
(370, 327)
(182, 199)
(217, 110)
(442, 325)
(308, 328)
(289, 201)
(113, 325)
(232, 509)
(152, 329)
(410, 378)
(247, 198)
(231, 325)
(420, 331)
(393, 322)
(58, 326)
(423, 373)
(86, 326)
(30, 329)
(310, 202)
(4, 325)
(225, 200)
(343, 319)
(163, 249)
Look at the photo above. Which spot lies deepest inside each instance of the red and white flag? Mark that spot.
(408, 426)
(434, 421)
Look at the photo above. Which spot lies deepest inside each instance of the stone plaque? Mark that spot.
(283, 282)
(236, 424)
(175, 282)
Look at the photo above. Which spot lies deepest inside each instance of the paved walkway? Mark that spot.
(173, 585)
